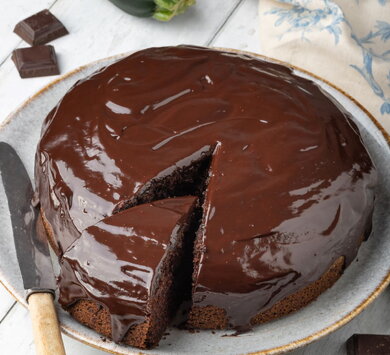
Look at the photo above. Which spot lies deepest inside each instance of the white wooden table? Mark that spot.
(98, 29)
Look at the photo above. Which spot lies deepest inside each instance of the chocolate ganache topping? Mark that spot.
(289, 188)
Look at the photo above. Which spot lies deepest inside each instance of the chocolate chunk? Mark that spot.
(40, 28)
(368, 344)
(35, 61)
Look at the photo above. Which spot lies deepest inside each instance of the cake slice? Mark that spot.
(119, 277)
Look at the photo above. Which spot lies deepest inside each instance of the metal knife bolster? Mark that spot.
(31, 248)
(31, 291)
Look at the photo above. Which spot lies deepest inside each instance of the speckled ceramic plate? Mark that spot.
(367, 276)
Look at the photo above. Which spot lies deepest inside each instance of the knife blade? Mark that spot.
(32, 252)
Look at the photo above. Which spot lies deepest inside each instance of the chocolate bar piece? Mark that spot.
(368, 344)
(40, 28)
(35, 61)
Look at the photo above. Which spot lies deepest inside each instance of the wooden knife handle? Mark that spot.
(47, 335)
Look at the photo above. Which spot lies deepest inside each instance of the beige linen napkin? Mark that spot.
(346, 42)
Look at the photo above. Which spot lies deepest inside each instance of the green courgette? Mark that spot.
(162, 10)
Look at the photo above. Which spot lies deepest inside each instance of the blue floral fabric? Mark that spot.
(344, 41)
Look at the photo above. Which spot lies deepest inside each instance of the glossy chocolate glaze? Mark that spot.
(117, 261)
(291, 184)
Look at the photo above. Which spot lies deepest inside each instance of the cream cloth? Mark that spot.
(346, 42)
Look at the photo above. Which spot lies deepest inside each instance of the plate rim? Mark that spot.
(275, 350)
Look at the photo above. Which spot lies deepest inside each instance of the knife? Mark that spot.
(32, 252)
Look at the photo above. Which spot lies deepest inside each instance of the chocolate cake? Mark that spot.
(285, 184)
(128, 263)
